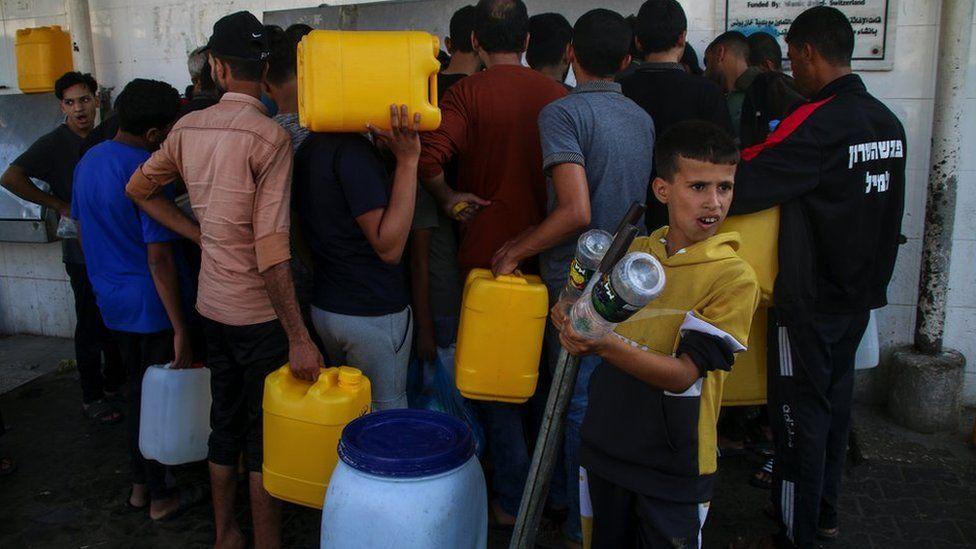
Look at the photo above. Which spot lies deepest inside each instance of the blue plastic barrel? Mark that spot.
(409, 479)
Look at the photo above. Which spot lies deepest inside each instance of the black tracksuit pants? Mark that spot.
(811, 383)
(92, 339)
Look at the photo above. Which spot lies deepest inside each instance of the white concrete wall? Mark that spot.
(150, 38)
(35, 296)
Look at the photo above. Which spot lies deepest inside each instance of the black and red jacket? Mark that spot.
(836, 167)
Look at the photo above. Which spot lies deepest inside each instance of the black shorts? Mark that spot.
(239, 358)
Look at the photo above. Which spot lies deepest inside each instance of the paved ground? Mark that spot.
(910, 490)
(23, 358)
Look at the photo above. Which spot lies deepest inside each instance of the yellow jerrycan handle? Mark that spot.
(432, 81)
(514, 278)
(328, 375)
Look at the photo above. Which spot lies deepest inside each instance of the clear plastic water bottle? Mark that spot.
(590, 249)
(634, 282)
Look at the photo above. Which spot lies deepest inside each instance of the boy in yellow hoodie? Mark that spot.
(648, 449)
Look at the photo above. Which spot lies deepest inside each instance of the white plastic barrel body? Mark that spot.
(445, 511)
(174, 422)
(868, 352)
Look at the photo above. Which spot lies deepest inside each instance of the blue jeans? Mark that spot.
(565, 478)
(507, 451)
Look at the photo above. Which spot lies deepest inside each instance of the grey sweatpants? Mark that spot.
(377, 345)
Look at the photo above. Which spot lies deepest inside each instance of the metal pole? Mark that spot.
(546, 451)
(79, 25)
(940, 206)
(560, 393)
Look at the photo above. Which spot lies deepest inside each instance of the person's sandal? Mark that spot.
(763, 478)
(102, 412)
(7, 466)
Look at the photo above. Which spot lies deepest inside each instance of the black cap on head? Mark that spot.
(239, 35)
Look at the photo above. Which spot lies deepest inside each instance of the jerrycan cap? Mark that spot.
(350, 378)
(406, 443)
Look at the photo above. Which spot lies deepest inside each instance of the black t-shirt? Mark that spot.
(671, 95)
(102, 132)
(338, 177)
(52, 159)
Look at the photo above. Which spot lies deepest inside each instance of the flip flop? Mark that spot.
(101, 411)
(188, 499)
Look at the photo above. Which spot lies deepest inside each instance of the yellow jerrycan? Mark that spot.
(43, 55)
(746, 383)
(302, 425)
(347, 79)
(503, 321)
(758, 245)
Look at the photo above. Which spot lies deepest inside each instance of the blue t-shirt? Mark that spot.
(114, 235)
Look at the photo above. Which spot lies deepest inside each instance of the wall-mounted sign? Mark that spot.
(873, 22)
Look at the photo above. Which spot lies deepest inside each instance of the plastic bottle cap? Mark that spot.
(406, 443)
(349, 378)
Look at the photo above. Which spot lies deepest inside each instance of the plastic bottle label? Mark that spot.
(578, 276)
(608, 303)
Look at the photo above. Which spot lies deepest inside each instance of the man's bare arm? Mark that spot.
(303, 356)
(571, 215)
(165, 211)
(448, 199)
(162, 267)
(17, 181)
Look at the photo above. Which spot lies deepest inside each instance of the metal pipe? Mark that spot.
(560, 393)
(79, 25)
(546, 451)
(940, 206)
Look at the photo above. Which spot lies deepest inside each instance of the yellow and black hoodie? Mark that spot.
(651, 441)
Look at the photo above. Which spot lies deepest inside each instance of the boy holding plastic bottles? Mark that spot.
(648, 451)
(595, 152)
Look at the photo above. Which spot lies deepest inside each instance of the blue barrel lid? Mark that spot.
(406, 443)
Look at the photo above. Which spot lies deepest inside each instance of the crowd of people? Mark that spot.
(214, 229)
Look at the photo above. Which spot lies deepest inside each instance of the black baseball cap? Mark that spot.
(239, 35)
